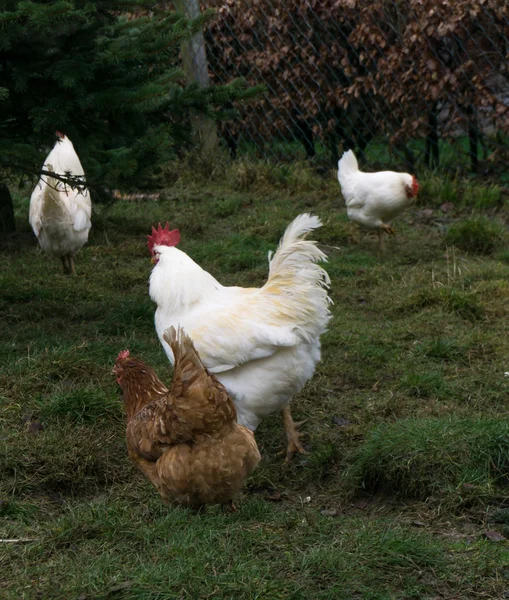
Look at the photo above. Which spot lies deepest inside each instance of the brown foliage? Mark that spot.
(361, 67)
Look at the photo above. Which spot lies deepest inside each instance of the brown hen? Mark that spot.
(186, 439)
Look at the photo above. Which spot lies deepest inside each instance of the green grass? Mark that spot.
(477, 234)
(459, 457)
(405, 418)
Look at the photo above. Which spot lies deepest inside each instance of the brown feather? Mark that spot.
(186, 439)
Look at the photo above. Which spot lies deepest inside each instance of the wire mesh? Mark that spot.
(425, 79)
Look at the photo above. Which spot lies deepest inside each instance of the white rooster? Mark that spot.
(374, 199)
(59, 215)
(261, 343)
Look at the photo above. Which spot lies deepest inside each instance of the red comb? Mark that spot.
(60, 134)
(123, 354)
(162, 237)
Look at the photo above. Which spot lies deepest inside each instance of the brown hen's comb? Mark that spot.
(162, 237)
(123, 354)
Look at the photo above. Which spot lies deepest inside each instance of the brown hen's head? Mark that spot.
(139, 382)
(413, 189)
(162, 237)
(118, 369)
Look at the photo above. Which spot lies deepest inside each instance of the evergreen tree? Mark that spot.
(105, 77)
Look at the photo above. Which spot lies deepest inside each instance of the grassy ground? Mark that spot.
(403, 491)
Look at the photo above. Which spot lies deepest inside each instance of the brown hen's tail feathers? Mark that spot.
(187, 360)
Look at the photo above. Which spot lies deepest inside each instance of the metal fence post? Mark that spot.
(196, 71)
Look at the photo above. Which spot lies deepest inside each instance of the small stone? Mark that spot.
(468, 486)
(35, 427)
(274, 496)
(340, 422)
(447, 207)
(494, 536)
(329, 512)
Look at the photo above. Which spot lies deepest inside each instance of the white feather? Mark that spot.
(59, 215)
(372, 199)
(262, 343)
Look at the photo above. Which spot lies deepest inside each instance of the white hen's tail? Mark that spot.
(347, 165)
(63, 158)
(296, 277)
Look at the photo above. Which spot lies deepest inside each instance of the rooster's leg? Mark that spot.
(292, 434)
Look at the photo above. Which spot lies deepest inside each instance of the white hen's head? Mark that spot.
(411, 186)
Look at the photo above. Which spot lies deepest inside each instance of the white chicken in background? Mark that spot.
(262, 344)
(59, 215)
(374, 199)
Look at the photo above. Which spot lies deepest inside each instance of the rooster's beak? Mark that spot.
(152, 260)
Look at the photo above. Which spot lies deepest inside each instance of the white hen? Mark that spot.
(261, 343)
(59, 215)
(374, 199)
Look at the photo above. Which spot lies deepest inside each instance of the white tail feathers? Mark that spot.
(52, 183)
(63, 159)
(293, 249)
(295, 276)
(347, 164)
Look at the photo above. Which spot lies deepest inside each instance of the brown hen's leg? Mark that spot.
(292, 434)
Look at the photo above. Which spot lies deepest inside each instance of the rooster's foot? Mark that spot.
(292, 434)
(294, 445)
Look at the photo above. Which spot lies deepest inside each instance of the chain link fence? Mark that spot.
(419, 81)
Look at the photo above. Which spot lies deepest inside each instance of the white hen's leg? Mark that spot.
(72, 270)
(292, 434)
(388, 229)
(65, 264)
